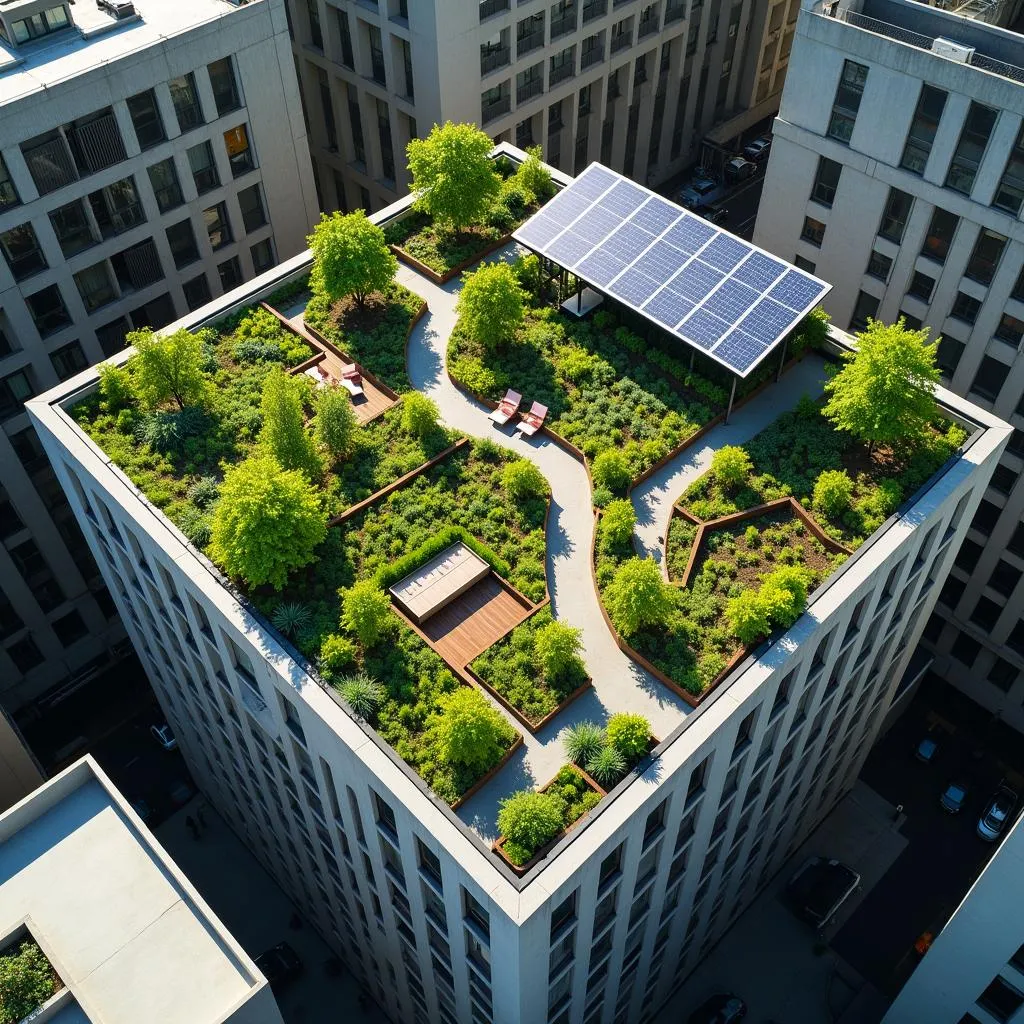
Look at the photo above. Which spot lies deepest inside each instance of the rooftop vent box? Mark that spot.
(953, 51)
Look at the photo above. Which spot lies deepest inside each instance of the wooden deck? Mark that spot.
(471, 623)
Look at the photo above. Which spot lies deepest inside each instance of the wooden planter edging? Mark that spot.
(432, 275)
(488, 775)
(319, 337)
(359, 506)
(498, 846)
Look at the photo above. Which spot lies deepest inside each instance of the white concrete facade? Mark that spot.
(124, 929)
(631, 83)
(974, 971)
(125, 222)
(923, 263)
(622, 909)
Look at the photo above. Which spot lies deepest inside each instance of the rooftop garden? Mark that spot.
(27, 980)
(849, 461)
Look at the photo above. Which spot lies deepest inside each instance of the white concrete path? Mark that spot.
(619, 684)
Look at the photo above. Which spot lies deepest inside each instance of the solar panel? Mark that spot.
(711, 289)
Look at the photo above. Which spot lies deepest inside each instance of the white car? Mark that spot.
(163, 735)
(997, 814)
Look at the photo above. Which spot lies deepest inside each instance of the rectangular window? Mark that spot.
(497, 101)
(529, 83)
(164, 179)
(826, 181)
(72, 228)
(921, 286)
(48, 310)
(985, 258)
(963, 168)
(182, 240)
(8, 193)
(21, 250)
(1001, 999)
(15, 390)
(965, 307)
(529, 34)
(116, 207)
(262, 254)
(930, 105)
(947, 358)
(230, 273)
(251, 204)
(145, 115)
(185, 98)
(990, 378)
(894, 217)
(225, 89)
(25, 653)
(35, 571)
(804, 264)
(476, 913)
(236, 142)
(52, 19)
(813, 231)
(376, 56)
(217, 226)
(563, 65)
(847, 101)
(197, 292)
(879, 266)
(1010, 330)
(940, 235)
(316, 35)
(204, 169)
(864, 309)
(345, 35)
(95, 286)
(68, 360)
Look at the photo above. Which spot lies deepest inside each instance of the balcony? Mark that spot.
(561, 73)
(489, 8)
(647, 27)
(489, 110)
(591, 57)
(530, 42)
(594, 9)
(622, 41)
(563, 25)
(528, 90)
(497, 57)
(675, 12)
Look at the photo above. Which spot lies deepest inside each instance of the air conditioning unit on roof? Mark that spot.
(953, 51)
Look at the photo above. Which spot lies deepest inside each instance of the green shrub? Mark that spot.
(469, 731)
(557, 648)
(629, 734)
(204, 492)
(617, 523)
(117, 389)
(583, 741)
(390, 574)
(747, 616)
(607, 766)
(335, 427)
(522, 479)
(637, 596)
(528, 821)
(26, 981)
(832, 493)
(731, 466)
(366, 611)
(611, 470)
(363, 694)
(336, 653)
(291, 617)
(419, 414)
(474, 376)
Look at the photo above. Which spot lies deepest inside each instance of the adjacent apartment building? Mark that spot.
(897, 173)
(405, 889)
(152, 156)
(631, 83)
(125, 932)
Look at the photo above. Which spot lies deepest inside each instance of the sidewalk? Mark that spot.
(257, 912)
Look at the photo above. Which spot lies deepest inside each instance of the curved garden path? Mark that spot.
(619, 684)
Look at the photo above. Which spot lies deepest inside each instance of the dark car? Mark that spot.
(280, 965)
(720, 1009)
(819, 889)
(926, 750)
(759, 149)
(998, 812)
(719, 216)
(953, 797)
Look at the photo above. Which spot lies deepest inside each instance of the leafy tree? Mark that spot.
(350, 256)
(169, 368)
(284, 429)
(522, 479)
(365, 611)
(885, 392)
(557, 648)
(419, 414)
(26, 981)
(334, 427)
(583, 741)
(747, 616)
(490, 304)
(618, 523)
(469, 731)
(731, 466)
(607, 766)
(363, 694)
(528, 821)
(117, 389)
(291, 617)
(832, 492)
(629, 734)
(533, 176)
(452, 174)
(268, 521)
(637, 597)
(336, 652)
(812, 331)
(611, 469)
(779, 600)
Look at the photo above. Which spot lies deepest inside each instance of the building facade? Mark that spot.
(621, 910)
(148, 162)
(128, 935)
(897, 172)
(633, 84)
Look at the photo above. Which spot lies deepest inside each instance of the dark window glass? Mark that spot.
(35, 571)
(1015, 446)
(921, 286)
(48, 310)
(250, 202)
(1001, 999)
(826, 181)
(1003, 479)
(986, 613)
(990, 378)
(164, 179)
(182, 240)
(217, 227)
(804, 264)
(185, 98)
(1004, 578)
(940, 235)
(965, 649)
(116, 207)
(1010, 193)
(879, 266)
(236, 142)
(69, 628)
(68, 360)
(72, 228)
(986, 517)
(1002, 675)
(930, 105)
(864, 309)
(262, 256)
(25, 654)
(95, 286)
(10, 521)
(963, 168)
(530, 34)
(1018, 287)
(1016, 542)
(965, 307)
(1015, 641)
(894, 217)
(197, 292)
(21, 250)
(204, 169)
(225, 89)
(847, 101)
(813, 231)
(137, 266)
(145, 114)
(985, 257)
(345, 35)
(15, 390)
(948, 356)
(1010, 329)
(230, 272)
(8, 193)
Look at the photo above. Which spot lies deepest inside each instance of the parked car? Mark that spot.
(163, 735)
(719, 216)
(926, 750)
(953, 797)
(759, 149)
(719, 1009)
(700, 192)
(280, 965)
(739, 169)
(997, 814)
(819, 888)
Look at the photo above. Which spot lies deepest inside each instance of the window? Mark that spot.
(145, 114)
(847, 101)
(813, 231)
(1004, 480)
(36, 573)
(95, 286)
(164, 179)
(529, 34)
(990, 378)
(610, 868)
(495, 52)
(563, 914)
(930, 105)
(230, 272)
(376, 55)
(476, 914)
(963, 168)
(204, 170)
(985, 257)
(262, 254)
(316, 35)
(48, 310)
(498, 100)
(225, 89)
(921, 286)
(186, 102)
(116, 207)
(878, 266)
(1010, 330)
(1016, 542)
(8, 193)
(986, 517)
(217, 226)
(864, 309)
(236, 142)
(1004, 578)
(563, 65)
(21, 250)
(826, 181)
(965, 307)
(72, 228)
(948, 356)
(345, 35)
(804, 264)
(15, 389)
(182, 240)
(69, 628)
(68, 360)
(1010, 193)
(529, 83)
(1015, 446)
(697, 778)
(940, 235)
(197, 292)
(1001, 999)
(10, 521)
(894, 217)
(986, 613)
(25, 654)
(53, 19)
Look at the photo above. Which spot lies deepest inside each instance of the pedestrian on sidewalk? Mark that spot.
(190, 824)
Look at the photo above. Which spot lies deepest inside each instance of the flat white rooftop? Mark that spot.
(121, 925)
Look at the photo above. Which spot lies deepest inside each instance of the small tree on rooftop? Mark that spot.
(419, 414)
(26, 981)
(350, 256)
(557, 648)
(169, 369)
(731, 466)
(629, 734)
(610, 469)
(452, 174)
(637, 596)
(528, 821)
(885, 392)
(534, 176)
(522, 479)
(468, 731)
(334, 427)
(284, 430)
(617, 523)
(268, 521)
(490, 304)
(366, 611)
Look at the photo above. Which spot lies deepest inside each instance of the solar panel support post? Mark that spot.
(782, 360)
(693, 355)
(579, 295)
(732, 396)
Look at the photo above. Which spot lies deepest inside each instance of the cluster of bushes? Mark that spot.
(608, 754)
(27, 980)
(535, 667)
(777, 603)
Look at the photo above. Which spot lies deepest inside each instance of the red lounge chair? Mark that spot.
(319, 374)
(533, 420)
(352, 379)
(507, 408)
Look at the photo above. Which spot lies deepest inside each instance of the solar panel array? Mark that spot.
(728, 298)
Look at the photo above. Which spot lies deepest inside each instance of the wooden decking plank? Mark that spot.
(474, 621)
